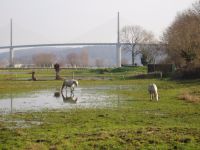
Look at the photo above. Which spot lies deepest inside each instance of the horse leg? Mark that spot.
(72, 94)
(157, 96)
(72, 91)
(150, 96)
(153, 95)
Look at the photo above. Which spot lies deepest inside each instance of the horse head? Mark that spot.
(75, 82)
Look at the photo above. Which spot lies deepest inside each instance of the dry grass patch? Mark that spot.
(36, 146)
(189, 97)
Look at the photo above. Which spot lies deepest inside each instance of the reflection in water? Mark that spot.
(66, 99)
(69, 99)
(11, 103)
(44, 100)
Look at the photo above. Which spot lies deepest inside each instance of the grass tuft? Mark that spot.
(189, 97)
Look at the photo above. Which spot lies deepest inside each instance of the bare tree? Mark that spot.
(152, 52)
(24, 60)
(124, 61)
(73, 59)
(133, 36)
(3, 62)
(183, 37)
(44, 59)
(84, 58)
(99, 62)
(195, 10)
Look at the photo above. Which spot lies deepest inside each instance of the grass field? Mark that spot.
(136, 123)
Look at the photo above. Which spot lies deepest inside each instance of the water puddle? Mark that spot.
(84, 97)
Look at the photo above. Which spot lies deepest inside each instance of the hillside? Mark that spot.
(107, 53)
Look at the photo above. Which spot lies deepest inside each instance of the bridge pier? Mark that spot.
(118, 57)
(11, 64)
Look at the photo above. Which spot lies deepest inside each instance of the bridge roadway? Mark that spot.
(58, 44)
(70, 44)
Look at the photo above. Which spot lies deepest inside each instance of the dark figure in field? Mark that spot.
(57, 70)
(33, 76)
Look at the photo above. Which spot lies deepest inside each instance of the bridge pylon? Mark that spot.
(118, 45)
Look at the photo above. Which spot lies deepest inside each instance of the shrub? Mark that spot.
(187, 73)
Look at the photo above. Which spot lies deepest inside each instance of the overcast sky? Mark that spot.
(61, 21)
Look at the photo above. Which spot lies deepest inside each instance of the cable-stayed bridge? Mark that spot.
(12, 47)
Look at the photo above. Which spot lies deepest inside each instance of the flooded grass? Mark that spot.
(120, 116)
(53, 99)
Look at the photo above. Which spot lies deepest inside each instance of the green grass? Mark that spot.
(135, 123)
(49, 74)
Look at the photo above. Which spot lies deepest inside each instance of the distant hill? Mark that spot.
(107, 53)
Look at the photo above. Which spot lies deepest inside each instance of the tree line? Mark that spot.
(71, 59)
(180, 43)
(183, 38)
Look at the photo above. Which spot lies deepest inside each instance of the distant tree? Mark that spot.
(135, 35)
(99, 62)
(149, 53)
(44, 59)
(124, 61)
(3, 62)
(23, 60)
(144, 59)
(183, 37)
(84, 58)
(73, 59)
(61, 60)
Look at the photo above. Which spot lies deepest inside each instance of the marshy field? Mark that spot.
(112, 110)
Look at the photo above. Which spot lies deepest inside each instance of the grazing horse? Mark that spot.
(71, 84)
(153, 91)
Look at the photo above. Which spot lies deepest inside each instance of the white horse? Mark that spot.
(71, 84)
(153, 91)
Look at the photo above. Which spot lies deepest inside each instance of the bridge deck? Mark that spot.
(58, 44)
